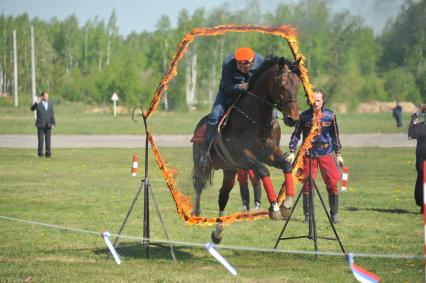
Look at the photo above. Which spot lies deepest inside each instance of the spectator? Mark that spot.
(44, 123)
(397, 114)
(417, 130)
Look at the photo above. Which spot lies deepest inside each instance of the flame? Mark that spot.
(285, 31)
(183, 203)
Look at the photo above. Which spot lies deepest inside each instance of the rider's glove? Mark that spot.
(243, 86)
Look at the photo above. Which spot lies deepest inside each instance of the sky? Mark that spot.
(143, 15)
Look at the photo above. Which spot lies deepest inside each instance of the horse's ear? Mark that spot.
(282, 63)
(298, 60)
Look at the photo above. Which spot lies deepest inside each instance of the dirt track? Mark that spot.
(135, 141)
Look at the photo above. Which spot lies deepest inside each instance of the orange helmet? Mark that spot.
(244, 55)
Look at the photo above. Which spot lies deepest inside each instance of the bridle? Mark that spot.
(277, 104)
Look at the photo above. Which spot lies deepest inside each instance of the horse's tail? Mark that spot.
(202, 174)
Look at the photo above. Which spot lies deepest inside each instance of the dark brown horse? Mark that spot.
(251, 137)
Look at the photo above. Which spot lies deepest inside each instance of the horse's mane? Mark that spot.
(269, 62)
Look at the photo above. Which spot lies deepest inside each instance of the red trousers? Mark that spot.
(329, 172)
(242, 177)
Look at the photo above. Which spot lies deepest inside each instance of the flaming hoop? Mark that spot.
(183, 203)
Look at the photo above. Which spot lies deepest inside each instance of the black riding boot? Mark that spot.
(245, 197)
(333, 200)
(257, 191)
(306, 210)
(208, 135)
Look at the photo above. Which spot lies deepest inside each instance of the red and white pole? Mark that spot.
(345, 175)
(424, 215)
(135, 165)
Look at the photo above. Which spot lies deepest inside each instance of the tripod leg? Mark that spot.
(128, 214)
(162, 222)
(312, 222)
(329, 220)
(288, 220)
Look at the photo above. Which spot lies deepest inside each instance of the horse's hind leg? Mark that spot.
(198, 189)
(227, 185)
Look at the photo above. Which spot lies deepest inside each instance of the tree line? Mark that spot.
(88, 62)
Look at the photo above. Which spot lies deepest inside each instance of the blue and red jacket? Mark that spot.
(327, 140)
(232, 77)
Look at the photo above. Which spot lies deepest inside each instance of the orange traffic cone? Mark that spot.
(345, 174)
(135, 165)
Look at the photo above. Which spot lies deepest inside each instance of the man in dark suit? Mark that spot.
(417, 130)
(44, 123)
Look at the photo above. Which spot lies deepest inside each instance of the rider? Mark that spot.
(323, 146)
(237, 69)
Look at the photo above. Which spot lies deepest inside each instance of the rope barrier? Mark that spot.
(203, 245)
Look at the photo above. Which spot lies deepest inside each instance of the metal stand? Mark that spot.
(146, 186)
(312, 233)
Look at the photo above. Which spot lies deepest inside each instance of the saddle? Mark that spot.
(198, 136)
(218, 145)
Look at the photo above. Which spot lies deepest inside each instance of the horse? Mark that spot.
(251, 137)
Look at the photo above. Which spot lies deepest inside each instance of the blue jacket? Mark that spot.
(232, 77)
(327, 140)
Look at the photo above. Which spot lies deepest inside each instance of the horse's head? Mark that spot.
(284, 90)
(277, 80)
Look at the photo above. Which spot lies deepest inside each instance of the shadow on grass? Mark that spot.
(156, 251)
(384, 210)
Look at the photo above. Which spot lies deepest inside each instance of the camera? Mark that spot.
(417, 115)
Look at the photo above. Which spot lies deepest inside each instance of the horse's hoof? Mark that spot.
(286, 207)
(217, 233)
(275, 215)
(215, 240)
(285, 212)
(288, 202)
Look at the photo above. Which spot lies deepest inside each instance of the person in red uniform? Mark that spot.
(242, 176)
(325, 151)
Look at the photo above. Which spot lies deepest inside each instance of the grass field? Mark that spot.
(92, 189)
(75, 118)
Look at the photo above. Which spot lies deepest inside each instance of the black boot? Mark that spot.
(245, 197)
(208, 135)
(333, 200)
(257, 191)
(306, 210)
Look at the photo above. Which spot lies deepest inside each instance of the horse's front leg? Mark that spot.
(227, 185)
(280, 162)
(260, 169)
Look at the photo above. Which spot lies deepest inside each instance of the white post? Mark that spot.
(15, 71)
(33, 80)
(114, 99)
(424, 216)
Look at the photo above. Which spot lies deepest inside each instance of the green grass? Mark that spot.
(73, 118)
(92, 189)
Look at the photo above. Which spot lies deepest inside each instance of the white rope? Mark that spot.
(239, 248)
